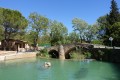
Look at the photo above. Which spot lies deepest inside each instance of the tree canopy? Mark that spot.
(80, 26)
(12, 22)
(38, 24)
(57, 32)
(40, 29)
(110, 25)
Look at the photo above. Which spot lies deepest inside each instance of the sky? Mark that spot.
(62, 10)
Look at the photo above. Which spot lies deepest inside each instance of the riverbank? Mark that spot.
(10, 55)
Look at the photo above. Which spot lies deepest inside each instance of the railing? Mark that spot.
(107, 47)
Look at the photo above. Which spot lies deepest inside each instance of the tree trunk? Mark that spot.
(5, 32)
(80, 39)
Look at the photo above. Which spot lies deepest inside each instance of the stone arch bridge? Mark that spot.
(62, 51)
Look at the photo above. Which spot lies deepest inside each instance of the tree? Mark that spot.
(1, 15)
(91, 32)
(45, 39)
(114, 15)
(39, 25)
(57, 32)
(12, 22)
(102, 23)
(116, 34)
(1, 33)
(109, 25)
(30, 36)
(112, 18)
(1, 27)
(80, 26)
(74, 37)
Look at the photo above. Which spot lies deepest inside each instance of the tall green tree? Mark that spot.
(44, 39)
(116, 34)
(74, 37)
(1, 33)
(112, 18)
(57, 32)
(1, 27)
(12, 22)
(91, 33)
(30, 36)
(38, 24)
(79, 26)
(114, 15)
(110, 25)
(1, 15)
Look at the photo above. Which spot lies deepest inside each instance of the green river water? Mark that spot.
(32, 69)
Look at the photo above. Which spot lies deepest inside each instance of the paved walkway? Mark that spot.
(14, 55)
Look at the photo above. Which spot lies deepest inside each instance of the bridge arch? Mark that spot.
(53, 53)
(54, 50)
(68, 52)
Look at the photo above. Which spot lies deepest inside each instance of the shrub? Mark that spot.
(87, 55)
(76, 55)
(43, 53)
(97, 42)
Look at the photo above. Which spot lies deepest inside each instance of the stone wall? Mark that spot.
(109, 55)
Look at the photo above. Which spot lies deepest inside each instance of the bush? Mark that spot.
(97, 42)
(43, 53)
(76, 55)
(87, 55)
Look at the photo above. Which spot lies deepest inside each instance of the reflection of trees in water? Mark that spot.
(82, 73)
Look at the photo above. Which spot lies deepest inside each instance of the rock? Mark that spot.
(47, 64)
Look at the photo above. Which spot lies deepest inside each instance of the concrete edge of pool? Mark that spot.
(17, 56)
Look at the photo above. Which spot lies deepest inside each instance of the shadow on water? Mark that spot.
(82, 73)
(116, 76)
(117, 71)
